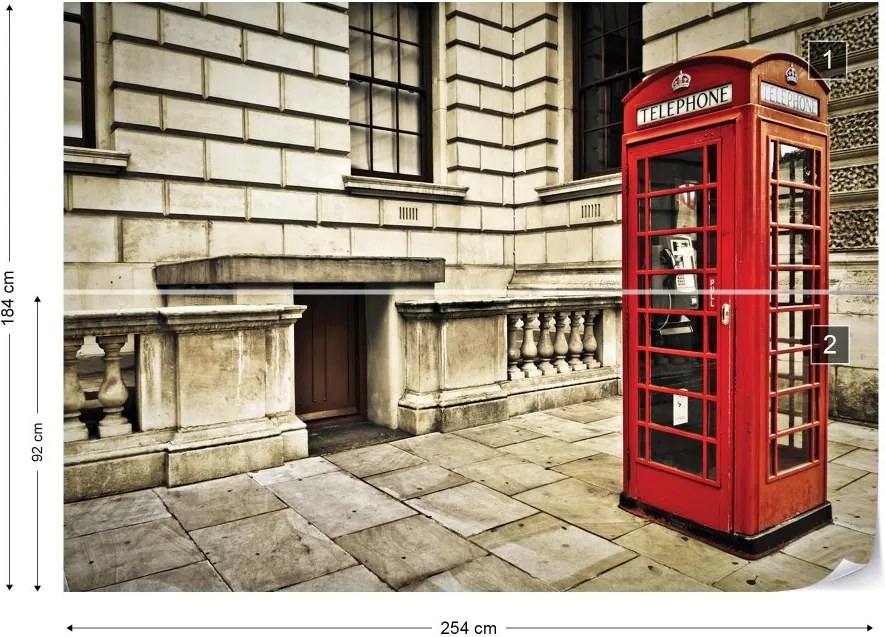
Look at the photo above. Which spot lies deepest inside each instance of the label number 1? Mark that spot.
(829, 56)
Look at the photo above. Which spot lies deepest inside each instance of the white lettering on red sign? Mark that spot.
(793, 100)
(708, 98)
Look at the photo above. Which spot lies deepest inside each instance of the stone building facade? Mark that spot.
(277, 214)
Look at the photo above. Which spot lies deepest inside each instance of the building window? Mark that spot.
(79, 75)
(608, 63)
(390, 90)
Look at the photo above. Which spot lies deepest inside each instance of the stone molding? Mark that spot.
(401, 189)
(95, 160)
(582, 188)
(436, 310)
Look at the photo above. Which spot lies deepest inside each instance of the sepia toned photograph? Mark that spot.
(469, 296)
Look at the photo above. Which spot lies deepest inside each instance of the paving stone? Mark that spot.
(304, 468)
(615, 424)
(866, 487)
(446, 450)
(592, 411)
(584, 505)
(553, 551)
(509, 474)
(216, 501)
(486, 574)
(414, 481)
(854, 511)
(688, 556)
(337, 503)
(775, 572)
(117, 555)
(612, 444)
(471, 508)
(356, 579)
(370, 461)
(839, 475)
(269, 551)
(101, 514)
(497, 434)
(643, 575)
(855, 435)
(830, 545)
(602, 470)
(198, 577)
(560, 428)
(860, 459)
(408, 550)
(836, 449)
(549, 452)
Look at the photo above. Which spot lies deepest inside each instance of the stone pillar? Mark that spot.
(113, 394)
(513, 353)
(545, 346)
(529, 350)
(560, 346)
(575, 346)
(74, 428)
(589, 342)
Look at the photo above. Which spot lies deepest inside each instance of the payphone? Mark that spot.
(725, 213)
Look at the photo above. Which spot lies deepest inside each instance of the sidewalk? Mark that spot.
(529, 504)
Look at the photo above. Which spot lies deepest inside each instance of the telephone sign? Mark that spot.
(725, 212)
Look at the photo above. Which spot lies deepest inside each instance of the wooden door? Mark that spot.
(330, 359)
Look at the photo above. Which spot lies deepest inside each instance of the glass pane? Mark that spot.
(675, 331)
(73, 110)
(408, 22)
(790, 286)
(793, 450)
(642, 329)
(383, 151)
(634, 46)
(642, 404)
(640, 298)
(384, 18)
(677, 252)
(615, 59)
(678, 372)
(641, 261)
(359, 102)
(641, 366)
(677, 170)
(410, 65)
(794, 164)
(793, 205)
(594, 151)
(409, 110)
(792, 410)
(591, 25)
(358, 14)
(614, 15)
(385, 59)
(793, 329)
(382, 106)
(711, 378)
(712, 328)
(641, 175)
(591, 61)
(617, 90)
(594, 108)
(359, 147)
(72, 49)
(711, 163)
(711, 249)
(679, 210)
(794, 247)
(360, 54)
(72, 7)
(676, 451)
(681, 412)
(711, 419)
(640, 205)
(613, 140)
(409, 155)
(791, 370)
(711, 207)
(711, 462)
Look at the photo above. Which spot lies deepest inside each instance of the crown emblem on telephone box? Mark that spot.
(792, 74)
(681, 81)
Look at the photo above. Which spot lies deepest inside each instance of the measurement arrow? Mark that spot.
(72, 628)
(9, 135)
(866, 628)
(37, 532)
(9, 463)
(37, 351)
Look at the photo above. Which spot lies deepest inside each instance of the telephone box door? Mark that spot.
(679, 274)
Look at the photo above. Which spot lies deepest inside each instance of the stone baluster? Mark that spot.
(113, 393)
(513, 350)
(589, 342)
(575, 347)
(545, 346)
(529, 349)
(560, 345)
(74, 428)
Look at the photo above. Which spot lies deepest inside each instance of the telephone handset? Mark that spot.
(674, 291)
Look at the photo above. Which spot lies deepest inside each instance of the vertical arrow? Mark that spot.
(37, 531)
(37, 352)
(9, 463)
(9, 133)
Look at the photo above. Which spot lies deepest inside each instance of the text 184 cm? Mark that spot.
(7, 313)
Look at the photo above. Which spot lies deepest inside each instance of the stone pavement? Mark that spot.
(529, 504)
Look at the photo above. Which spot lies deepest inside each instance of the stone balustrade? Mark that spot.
(212, 394)
(476, 361)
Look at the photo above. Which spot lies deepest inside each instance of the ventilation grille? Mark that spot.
(591, 211)
(408, 213)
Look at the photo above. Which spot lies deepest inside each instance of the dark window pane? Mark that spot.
(591, 61)
(613, 139)
(591, 23)
(678, 372)
(594, 108)
(614, 15)
(677, 170)
(359, 15)
(594, 151)
(615, 59)
(634, 47)
(794, 164)
(793, 450)
(676, 451)
(617, 90)
(72, 50)
(73, 109)
(711, 163)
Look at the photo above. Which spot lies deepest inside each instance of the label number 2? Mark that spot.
(831, 339)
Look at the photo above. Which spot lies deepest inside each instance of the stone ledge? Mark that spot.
(287, 269)
(581, 189)
(94, 160)
(401, 189)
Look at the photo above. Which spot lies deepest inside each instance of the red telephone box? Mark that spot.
(725, 241)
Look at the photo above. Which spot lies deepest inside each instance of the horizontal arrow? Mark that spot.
(866, 628)
(73, 628)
